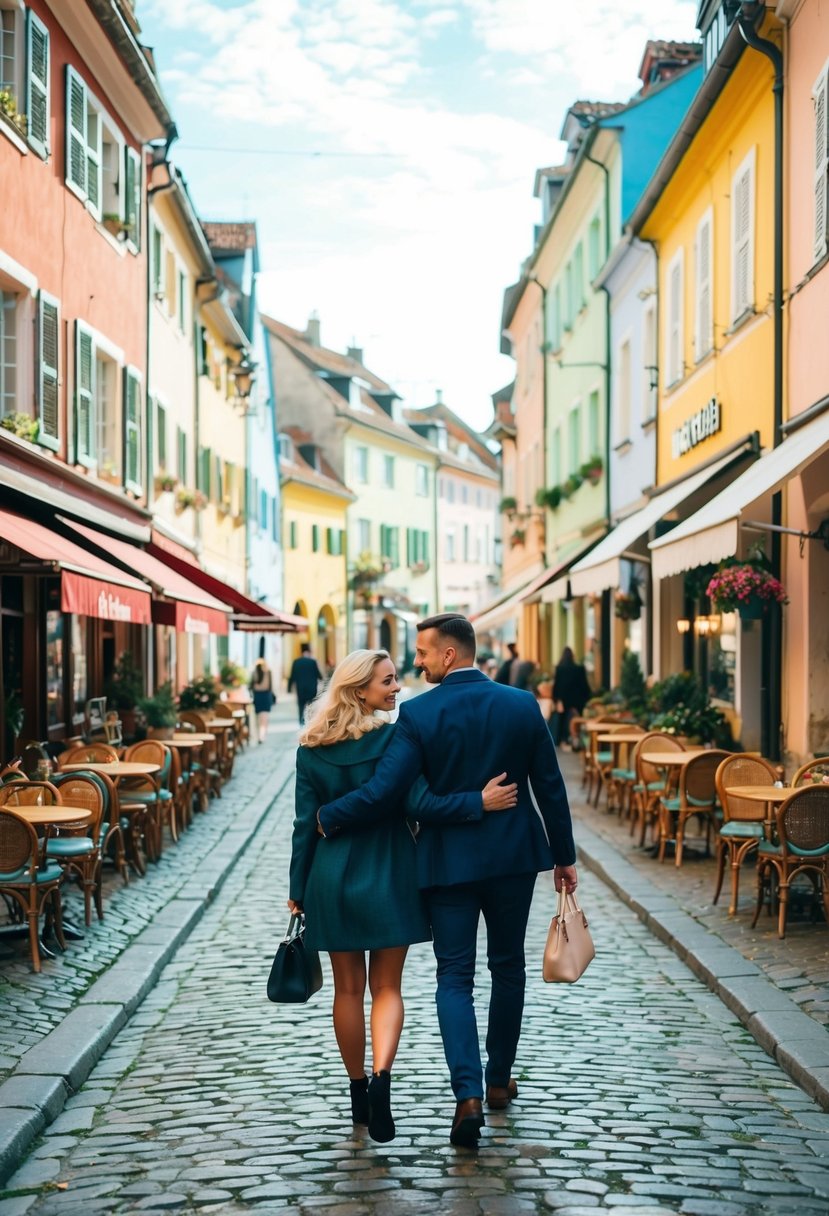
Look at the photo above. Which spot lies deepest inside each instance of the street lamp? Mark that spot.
(243, 374)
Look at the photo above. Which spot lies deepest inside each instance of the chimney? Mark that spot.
(355, 353)
(312, 330)
(438, 396)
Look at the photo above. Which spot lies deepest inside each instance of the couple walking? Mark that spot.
(365, 885)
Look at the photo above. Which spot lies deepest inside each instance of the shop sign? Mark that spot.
(193, 624)
(112, 608)
(701, 425)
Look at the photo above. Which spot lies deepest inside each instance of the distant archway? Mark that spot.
(326, 638)
(387, 632)
(300, 609)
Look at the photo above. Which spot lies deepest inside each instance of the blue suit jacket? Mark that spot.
(466, 731)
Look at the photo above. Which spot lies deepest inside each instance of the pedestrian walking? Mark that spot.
(359, 893)
(487, 867)
(510, 662)
(571, 692)
(306, 678)
(264, 698)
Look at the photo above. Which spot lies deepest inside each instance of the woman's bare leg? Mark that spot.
(349, 968)
(262, 723)
(385, 973)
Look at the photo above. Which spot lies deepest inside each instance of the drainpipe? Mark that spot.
(772, 654)
(606, 617)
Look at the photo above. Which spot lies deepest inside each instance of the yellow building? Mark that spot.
(709, 213)
(314, 503)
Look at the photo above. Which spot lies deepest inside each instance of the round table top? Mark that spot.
(622, 736)
(604, 727)
(760, 793)
(52, 815)
(662, 759)
(116, 768)
(240, 713)
(220, 724)
(195, 740)
(236, 698)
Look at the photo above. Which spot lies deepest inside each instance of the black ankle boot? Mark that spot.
(359, 1100)
(380, 1121)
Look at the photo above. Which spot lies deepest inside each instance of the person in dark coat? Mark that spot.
(306, 678)
(506, 668)
(261, 689)
(359, 893)
(487, 866)
(571, 692)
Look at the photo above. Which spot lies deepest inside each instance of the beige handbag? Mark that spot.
(569, 947)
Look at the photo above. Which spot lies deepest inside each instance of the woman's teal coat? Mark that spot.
(358, 890)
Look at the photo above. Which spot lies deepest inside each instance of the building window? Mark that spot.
(9, 52)
(578, 277)
(132, 430)
(674, 334)
(361, 465)
(107, 415)
(9, 358)
(417, 549)
(449, 545)
(422, 481)
(363, 536)
(48, 370)
(466, 542)
(334, 541)
(160, 436)
(594, 425)
(182, 301)
(555, 457)
(703, 250)
(158, 262)
(85, 402)
(293, 542)
(450, 490)
(390, 545)
(820, 97)
(315, 538)
(594, 247)
(650, 369)
(623, 411)
(574, 440)
(742, 240)
(388, 472)
(181, 454)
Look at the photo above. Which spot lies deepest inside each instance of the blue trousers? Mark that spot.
(455, 913)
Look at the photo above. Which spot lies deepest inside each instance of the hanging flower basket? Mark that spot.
(747, 588)
(627, 606)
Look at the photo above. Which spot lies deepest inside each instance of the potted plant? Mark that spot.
(9, 111)
(541, 683)
(160, 712)
(14, 715)
(570, 486)
(115, 225)
(184, 498)
(746, 587)
(124, 690)
(165, 482)
(231, 675)
(518, 537)
(201, 694)
(592, 470)
(22, 425)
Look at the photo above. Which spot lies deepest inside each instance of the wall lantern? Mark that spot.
(243, 374)
(683, 625)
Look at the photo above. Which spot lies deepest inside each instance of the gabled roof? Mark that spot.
(457, 428)
(298, 469)
(323, 359)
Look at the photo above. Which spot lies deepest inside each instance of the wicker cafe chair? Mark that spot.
(595, 756)
(221, 710)
(651, 781)
(207, 775)
(24, 883)
(29, 793)
(114, 842)
(154, 792)
(742, 828)
(812, 773)
(78, 850)
(88, 753)
(697, 795)
(623, 775)
(802, 847)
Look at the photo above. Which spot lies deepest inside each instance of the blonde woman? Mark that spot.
(359, 890)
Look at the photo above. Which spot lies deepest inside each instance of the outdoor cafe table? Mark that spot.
(672, 759)
(621, 736)
(188, 743)
(771, 795)
(116, 769)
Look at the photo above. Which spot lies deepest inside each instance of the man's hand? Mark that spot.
(565, 878)
(294, 908)
(498, 797)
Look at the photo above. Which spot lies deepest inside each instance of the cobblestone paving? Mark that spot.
(799, 964)
(31, 1004)
(640, 1093)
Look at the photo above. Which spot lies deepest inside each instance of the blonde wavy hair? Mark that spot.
(338, 713)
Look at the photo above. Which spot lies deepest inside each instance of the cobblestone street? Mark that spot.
(639, 1091)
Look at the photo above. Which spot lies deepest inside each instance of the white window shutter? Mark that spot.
(742, 224)
(821, 100)
(132, 196)
(37, 83)
(48, 335)
(132, 430)
(75, 131)
(84, 396)
(703, 336)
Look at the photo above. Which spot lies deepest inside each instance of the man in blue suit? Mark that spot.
(469, 727)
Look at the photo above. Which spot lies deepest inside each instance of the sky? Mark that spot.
(387, 150)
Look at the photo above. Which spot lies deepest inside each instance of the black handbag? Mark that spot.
(296, 973)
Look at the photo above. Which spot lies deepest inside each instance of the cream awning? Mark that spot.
(601, 568)
(712, 533)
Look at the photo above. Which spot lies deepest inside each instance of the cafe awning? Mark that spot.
(602, 566)
(184, 606)
(89, 586)
(712, 533)
(247, 615)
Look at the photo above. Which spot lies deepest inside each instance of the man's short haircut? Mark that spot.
(454, 626)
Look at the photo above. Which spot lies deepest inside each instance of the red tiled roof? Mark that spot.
(596, 109)
(323, 358)
(456, 427)
(298, 469)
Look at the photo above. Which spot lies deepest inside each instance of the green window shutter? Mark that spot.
(409, 548)
(37, 83)
(425, 548)
(48, 333)
(75, 131)
(292, 537)
(181, 448)
(394, 547)
(315, 538)
(93, 162)
(159, 262)
(217, 479)
(132, 430)
(329, 540)
(207, 465)
(84, 396)
(342, 541)
(161, 435)
(132, 197)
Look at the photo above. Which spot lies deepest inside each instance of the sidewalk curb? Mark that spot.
(798, 1043)
(55, 1068)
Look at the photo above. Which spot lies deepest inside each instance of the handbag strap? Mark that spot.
(568, 902)
(295, 926)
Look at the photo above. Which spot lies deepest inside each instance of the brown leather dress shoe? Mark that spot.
(498, 1098)
(469, 1119)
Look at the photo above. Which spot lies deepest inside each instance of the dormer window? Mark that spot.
(286, 448)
